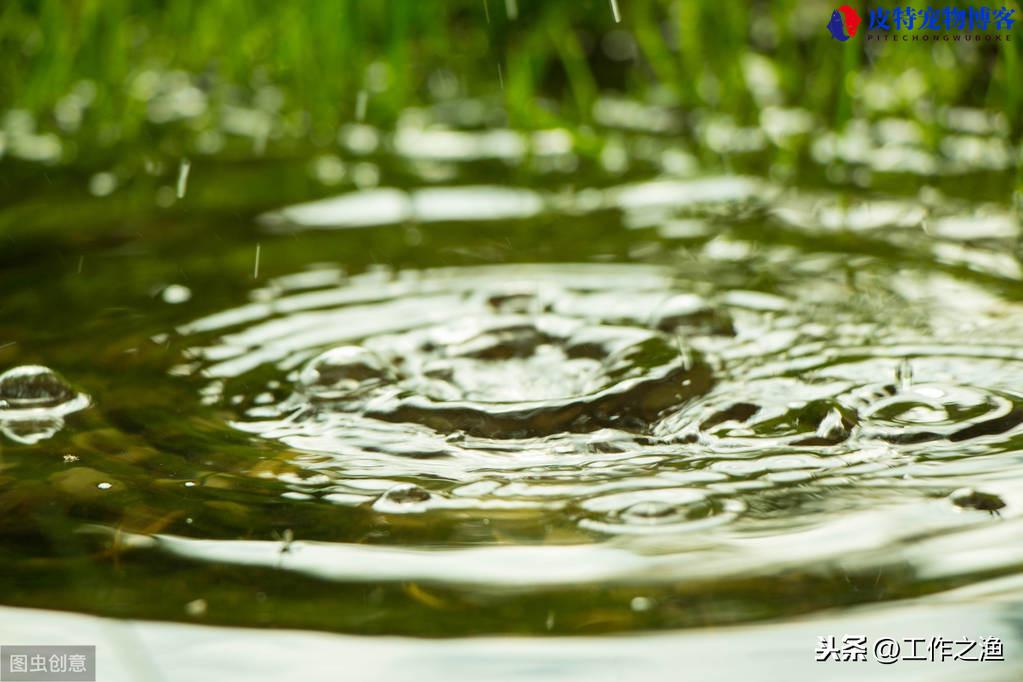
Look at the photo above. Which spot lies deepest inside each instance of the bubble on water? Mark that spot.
(33, 403)
(33, 386)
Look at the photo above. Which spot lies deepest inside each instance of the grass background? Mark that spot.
(546, 61)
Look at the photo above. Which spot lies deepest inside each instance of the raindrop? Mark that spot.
(176, 293)
(904, 375)
(614, 11)
(183, 169)
(511, 8)
(361, 102)
(640, 604)
(196, 608)
(255, 268)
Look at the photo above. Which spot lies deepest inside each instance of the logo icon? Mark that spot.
(844, 23)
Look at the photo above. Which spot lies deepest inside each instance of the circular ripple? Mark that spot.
(610, 400)
(508, 387)
(834, 399)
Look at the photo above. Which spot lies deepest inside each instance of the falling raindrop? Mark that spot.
(361, 102)
(904, 375)
(511, 8)
(255, 268)
(183, 169)
(614, 11)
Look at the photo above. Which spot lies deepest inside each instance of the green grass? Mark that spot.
(319, 55)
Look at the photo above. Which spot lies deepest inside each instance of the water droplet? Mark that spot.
(614, 11)
(361, 101)
(640, 604)
(182, 186)
(176, 293)
(904, 375)
(196, 608)
(104, 485)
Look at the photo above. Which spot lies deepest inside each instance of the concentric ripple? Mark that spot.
(610, 400)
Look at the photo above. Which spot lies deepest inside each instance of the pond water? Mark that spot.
(460, 383)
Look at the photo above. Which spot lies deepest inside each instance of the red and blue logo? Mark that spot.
(844, 23)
